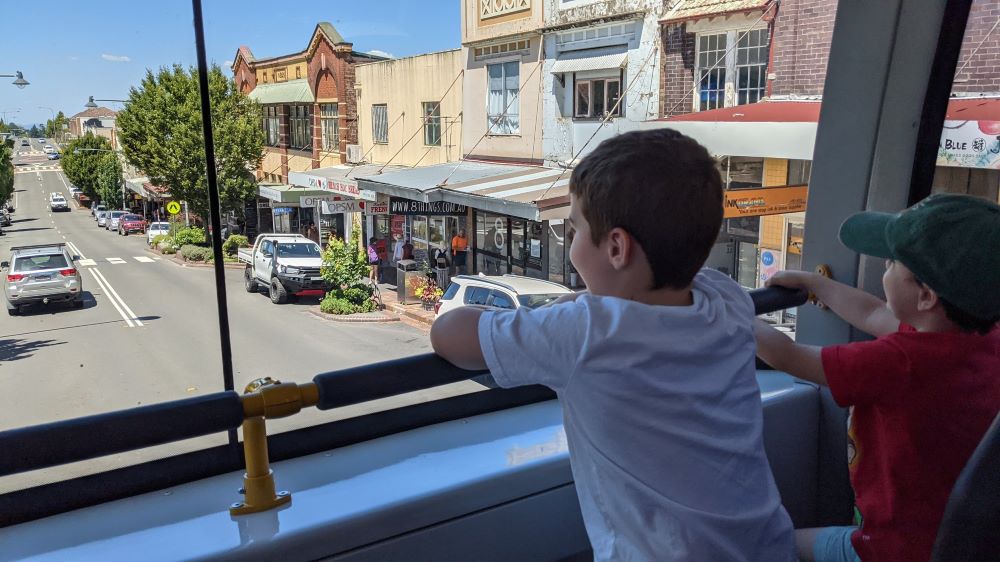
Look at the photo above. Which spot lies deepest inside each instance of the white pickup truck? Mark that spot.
(286, 264)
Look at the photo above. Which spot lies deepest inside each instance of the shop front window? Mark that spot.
(557, 251)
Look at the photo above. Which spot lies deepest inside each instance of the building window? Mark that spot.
(751, 66)
(731, 76)
(712, 70)
(598, 98)
(380, 123)
(298, 72)
(272, 129)
(432, 123)
(798, 172)
(330, 122)
(502, 48)
(300, 123)
(503, 105)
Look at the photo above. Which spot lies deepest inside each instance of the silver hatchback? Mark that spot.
(111, 222)
(41, 274)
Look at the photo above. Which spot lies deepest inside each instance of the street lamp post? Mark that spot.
(20, 82)
(91, 105)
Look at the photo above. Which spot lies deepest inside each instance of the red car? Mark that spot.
(131, 223)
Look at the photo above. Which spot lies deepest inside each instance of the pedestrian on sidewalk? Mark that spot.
(373, 261)
(408, 250)
(459, 245)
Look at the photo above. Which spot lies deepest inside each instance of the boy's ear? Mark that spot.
(620, 248)
(927, 299)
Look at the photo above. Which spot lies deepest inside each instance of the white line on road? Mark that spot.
(86, 263)
(142, 259)
(76, 250)
(107, 293)
(116, 261)
(111, 292)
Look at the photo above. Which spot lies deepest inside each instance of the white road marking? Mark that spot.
(76, 250)
(111, 289)
(143, 259)
(116, 261)
(86, 263)
(107, 293)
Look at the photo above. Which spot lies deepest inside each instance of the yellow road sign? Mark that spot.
(173, 207)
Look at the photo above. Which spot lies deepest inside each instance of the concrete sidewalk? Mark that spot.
(413, 312)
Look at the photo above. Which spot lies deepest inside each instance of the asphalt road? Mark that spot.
(149, 333)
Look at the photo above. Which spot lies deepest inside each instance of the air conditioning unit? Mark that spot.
(354, 153)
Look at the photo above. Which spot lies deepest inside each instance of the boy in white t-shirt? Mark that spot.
(653, 366)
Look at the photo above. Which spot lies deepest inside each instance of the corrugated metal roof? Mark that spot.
(293, 91)
(590, 59)
(511, 189)
(693, 9)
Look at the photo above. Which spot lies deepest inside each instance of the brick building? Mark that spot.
(309, 118)
(746, 77)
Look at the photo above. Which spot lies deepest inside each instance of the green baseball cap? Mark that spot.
(950, 242)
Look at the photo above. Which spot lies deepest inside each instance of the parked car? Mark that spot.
(98, 208)
(284, 264)
(75, 192)
(130, 223)
(499, 291)
(113, 218)
(57, 202)
(102, 219)
(41, 274)
(155, 229)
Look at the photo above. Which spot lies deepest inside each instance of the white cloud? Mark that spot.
(74, 57)
(228, 63)
(116, 58)
(379, 53)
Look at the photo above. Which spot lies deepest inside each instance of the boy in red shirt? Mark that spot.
(925, 391)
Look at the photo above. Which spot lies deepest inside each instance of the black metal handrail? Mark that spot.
(63, 442)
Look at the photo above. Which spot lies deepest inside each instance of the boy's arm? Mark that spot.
(455, 337)
(865, 312)
(782, 353)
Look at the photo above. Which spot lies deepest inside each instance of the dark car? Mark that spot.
(128, 224)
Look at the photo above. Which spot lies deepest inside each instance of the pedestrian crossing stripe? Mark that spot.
(116, 261)
(143, 259)
(87, 263)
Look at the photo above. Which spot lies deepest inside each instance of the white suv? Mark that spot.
(499, 291)
(57, 202)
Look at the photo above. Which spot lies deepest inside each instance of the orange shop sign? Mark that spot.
(765, 201)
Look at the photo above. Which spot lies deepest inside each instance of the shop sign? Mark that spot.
(766, 201)
(400, 206)
(770, 263)
(368, 195)
(377, 209)
(284, 210)
(269, 193)
(970, 144)
(347, 206)
(313, 200)
(265, 204)
(340, 186)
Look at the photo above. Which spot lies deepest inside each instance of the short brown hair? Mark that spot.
(661, 187)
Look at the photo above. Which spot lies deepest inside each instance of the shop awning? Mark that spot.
(787, 129)
(287, 195)
(135, 184)
(590, 59)
(144, 188)
(293, 91)
(695, 9)
(339, 180)
(516, 190)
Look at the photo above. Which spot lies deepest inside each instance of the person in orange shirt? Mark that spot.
(459, 245)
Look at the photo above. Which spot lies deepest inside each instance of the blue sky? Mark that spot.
(71, 49)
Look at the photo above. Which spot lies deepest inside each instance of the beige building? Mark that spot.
(502, 54)
(410, 109)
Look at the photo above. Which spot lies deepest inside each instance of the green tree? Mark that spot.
(345, 266)
(161, 133)
(109, 180)
(35, 132)
(81, 162)
(54, 127)
(6, 173)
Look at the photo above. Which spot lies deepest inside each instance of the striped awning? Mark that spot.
(510, 189)
(590, 59)
(293, 91)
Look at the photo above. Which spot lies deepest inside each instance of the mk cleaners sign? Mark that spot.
(400, 206)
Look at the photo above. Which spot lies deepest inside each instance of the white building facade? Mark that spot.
(601, 73)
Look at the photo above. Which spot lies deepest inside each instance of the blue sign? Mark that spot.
(766, 258)
(283, 210)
